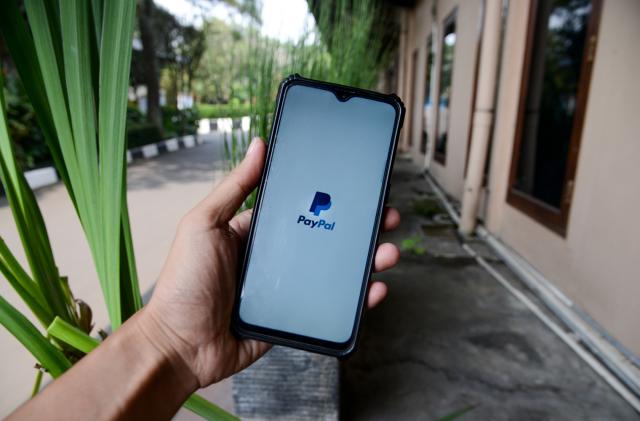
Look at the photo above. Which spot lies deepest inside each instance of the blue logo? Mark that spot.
(321, 201)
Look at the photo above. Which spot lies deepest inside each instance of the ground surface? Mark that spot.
(449, 337)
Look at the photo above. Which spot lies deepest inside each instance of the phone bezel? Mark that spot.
(337, 349)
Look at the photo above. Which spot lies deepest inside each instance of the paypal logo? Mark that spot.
(321, 202)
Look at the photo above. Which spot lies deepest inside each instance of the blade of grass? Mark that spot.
(24, 331)
(115, 63)
(200, 406)
(71, 335)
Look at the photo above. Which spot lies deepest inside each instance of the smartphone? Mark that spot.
(315, 224)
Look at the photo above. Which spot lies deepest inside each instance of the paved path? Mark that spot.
(161, 190)
(449, 336)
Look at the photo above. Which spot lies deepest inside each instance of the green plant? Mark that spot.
(30, 148)
(73, 60)
(179, 122)
(427, 207)
(140, 134)
(223, 110)
(346, 47)
(413, 245)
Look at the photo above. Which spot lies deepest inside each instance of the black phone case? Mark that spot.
(341, 350)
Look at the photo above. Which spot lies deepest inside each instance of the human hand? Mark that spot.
(189, 314)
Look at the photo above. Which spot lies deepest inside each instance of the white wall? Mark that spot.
(597, 263)
(450, 176)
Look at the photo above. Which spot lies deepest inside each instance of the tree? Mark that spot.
(184, 52)
(221, 75)
(162, 38)
(146, 12)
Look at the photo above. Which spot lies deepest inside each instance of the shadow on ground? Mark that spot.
(450, 337)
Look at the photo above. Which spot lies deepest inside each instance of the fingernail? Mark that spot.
(252, 145)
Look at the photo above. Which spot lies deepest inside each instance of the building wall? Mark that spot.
(596, 264)
(450, 175)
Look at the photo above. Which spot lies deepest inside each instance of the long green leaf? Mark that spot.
(199, 405)
(71, 335)
(53, 83)
(30, 223)
(44, 40)
(11, 264)
(24, 286)
(74, 16)
(23, 330)
(129, 286)
(115, 63)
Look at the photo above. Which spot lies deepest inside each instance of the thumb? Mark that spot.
(223, 202)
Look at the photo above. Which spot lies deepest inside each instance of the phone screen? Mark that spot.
(312, 236)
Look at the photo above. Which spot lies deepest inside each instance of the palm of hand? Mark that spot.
(197, 287)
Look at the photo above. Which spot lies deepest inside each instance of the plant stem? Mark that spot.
(36, 386)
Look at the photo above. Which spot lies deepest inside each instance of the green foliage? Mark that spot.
(427, 207)
(207, 410)
(354, 33)
(74, 65)
(23, 330)
(176, 123)
(348, 47)
(142, 134)
(413, 245)
(223, 110)
(179, 122)
(29, 146)
(221, 75)
(71, 335)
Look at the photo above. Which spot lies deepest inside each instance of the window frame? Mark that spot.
(414, 80)
(428, 73)
(440, 157)
(556, 219)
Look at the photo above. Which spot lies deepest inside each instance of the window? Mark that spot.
(427, 106)
(446, 76)
(557, 69)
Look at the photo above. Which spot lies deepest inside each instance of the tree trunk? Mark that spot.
(152, 79)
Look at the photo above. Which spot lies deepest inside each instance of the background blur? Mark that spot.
(516, 174)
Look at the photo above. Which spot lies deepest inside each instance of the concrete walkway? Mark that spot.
(450, 337)
(447, 338)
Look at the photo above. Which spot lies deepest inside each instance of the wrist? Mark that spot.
(164, 348)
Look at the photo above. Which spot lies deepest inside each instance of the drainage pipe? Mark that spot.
(482, 115)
